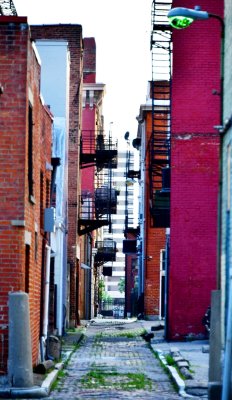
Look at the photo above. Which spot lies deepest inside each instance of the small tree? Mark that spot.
(101, 288)
(121, 285)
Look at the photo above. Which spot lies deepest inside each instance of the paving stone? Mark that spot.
(110, 353)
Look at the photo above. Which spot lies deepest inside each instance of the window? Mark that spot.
(36, 246)
(41, 200)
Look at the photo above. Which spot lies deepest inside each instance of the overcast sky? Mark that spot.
(122, 32)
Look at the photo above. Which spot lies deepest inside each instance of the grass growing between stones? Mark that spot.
(113, 380)
(164, 362)
(127, 333)
(57, 384)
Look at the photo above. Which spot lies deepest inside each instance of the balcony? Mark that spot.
(95, 209)
(105, 201)
(133, 174)
(106, 251)
(107, 271)
(88, 221)
(98, 151)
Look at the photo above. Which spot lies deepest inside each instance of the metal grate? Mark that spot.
(7, 7)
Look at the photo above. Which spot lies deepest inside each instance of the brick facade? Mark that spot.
(154, 242)
(194, 171)
(73, 35)
(153, 239)
(25, 147)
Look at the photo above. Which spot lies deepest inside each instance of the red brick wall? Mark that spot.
(72, 34)
(154, 242)
(89, 60)
(20, 76)
(194, 171)
(89, 114)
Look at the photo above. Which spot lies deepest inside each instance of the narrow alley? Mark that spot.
(113, 362)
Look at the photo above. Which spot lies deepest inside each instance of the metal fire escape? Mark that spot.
(159, 146)
(7, 8)
(96, 208)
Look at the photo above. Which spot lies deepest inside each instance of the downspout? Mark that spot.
(143, 170)
(46, 292)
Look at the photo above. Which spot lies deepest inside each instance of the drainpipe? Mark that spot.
(46, 292)
(59, 273)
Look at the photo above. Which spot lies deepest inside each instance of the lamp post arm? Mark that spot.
(220, 19)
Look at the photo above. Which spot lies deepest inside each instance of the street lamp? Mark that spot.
(180, 18)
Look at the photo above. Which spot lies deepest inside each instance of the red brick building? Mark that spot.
(92, 125)
(73, 35)
(153, 238)
(97, 154)
(194, 171)
(25, 146)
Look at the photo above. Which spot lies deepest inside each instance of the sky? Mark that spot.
(121, 29)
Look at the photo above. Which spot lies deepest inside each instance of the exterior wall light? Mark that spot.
(181, 17)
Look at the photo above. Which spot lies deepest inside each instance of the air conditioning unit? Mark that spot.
(49, 219)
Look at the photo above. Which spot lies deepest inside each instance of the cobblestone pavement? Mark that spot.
(113, 353)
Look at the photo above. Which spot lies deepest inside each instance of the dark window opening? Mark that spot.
(30, 153)
(41, 200)
(36, 246)
(47, 193)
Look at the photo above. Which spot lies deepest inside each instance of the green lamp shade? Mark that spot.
(180, 22)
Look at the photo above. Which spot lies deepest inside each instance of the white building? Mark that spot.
(129, 202)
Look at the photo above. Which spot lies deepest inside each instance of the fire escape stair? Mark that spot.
(160, 92)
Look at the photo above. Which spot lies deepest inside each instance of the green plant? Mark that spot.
(112, 379)
(101, 288)
(107, 297)
(121, 285)
(170, 359)
(128, 334)
(61, 375)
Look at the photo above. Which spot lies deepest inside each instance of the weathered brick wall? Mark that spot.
(73, 35)
(89, 60)
(89, 114)
(20, 217)
(154, 242)
(194, 171)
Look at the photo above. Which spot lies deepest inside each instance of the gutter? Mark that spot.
(174, 375)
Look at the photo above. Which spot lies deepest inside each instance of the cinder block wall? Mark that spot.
(194, 171)
(21, 234)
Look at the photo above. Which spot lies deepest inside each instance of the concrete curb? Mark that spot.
(23, 393)
(174, 374)
(34, 392)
